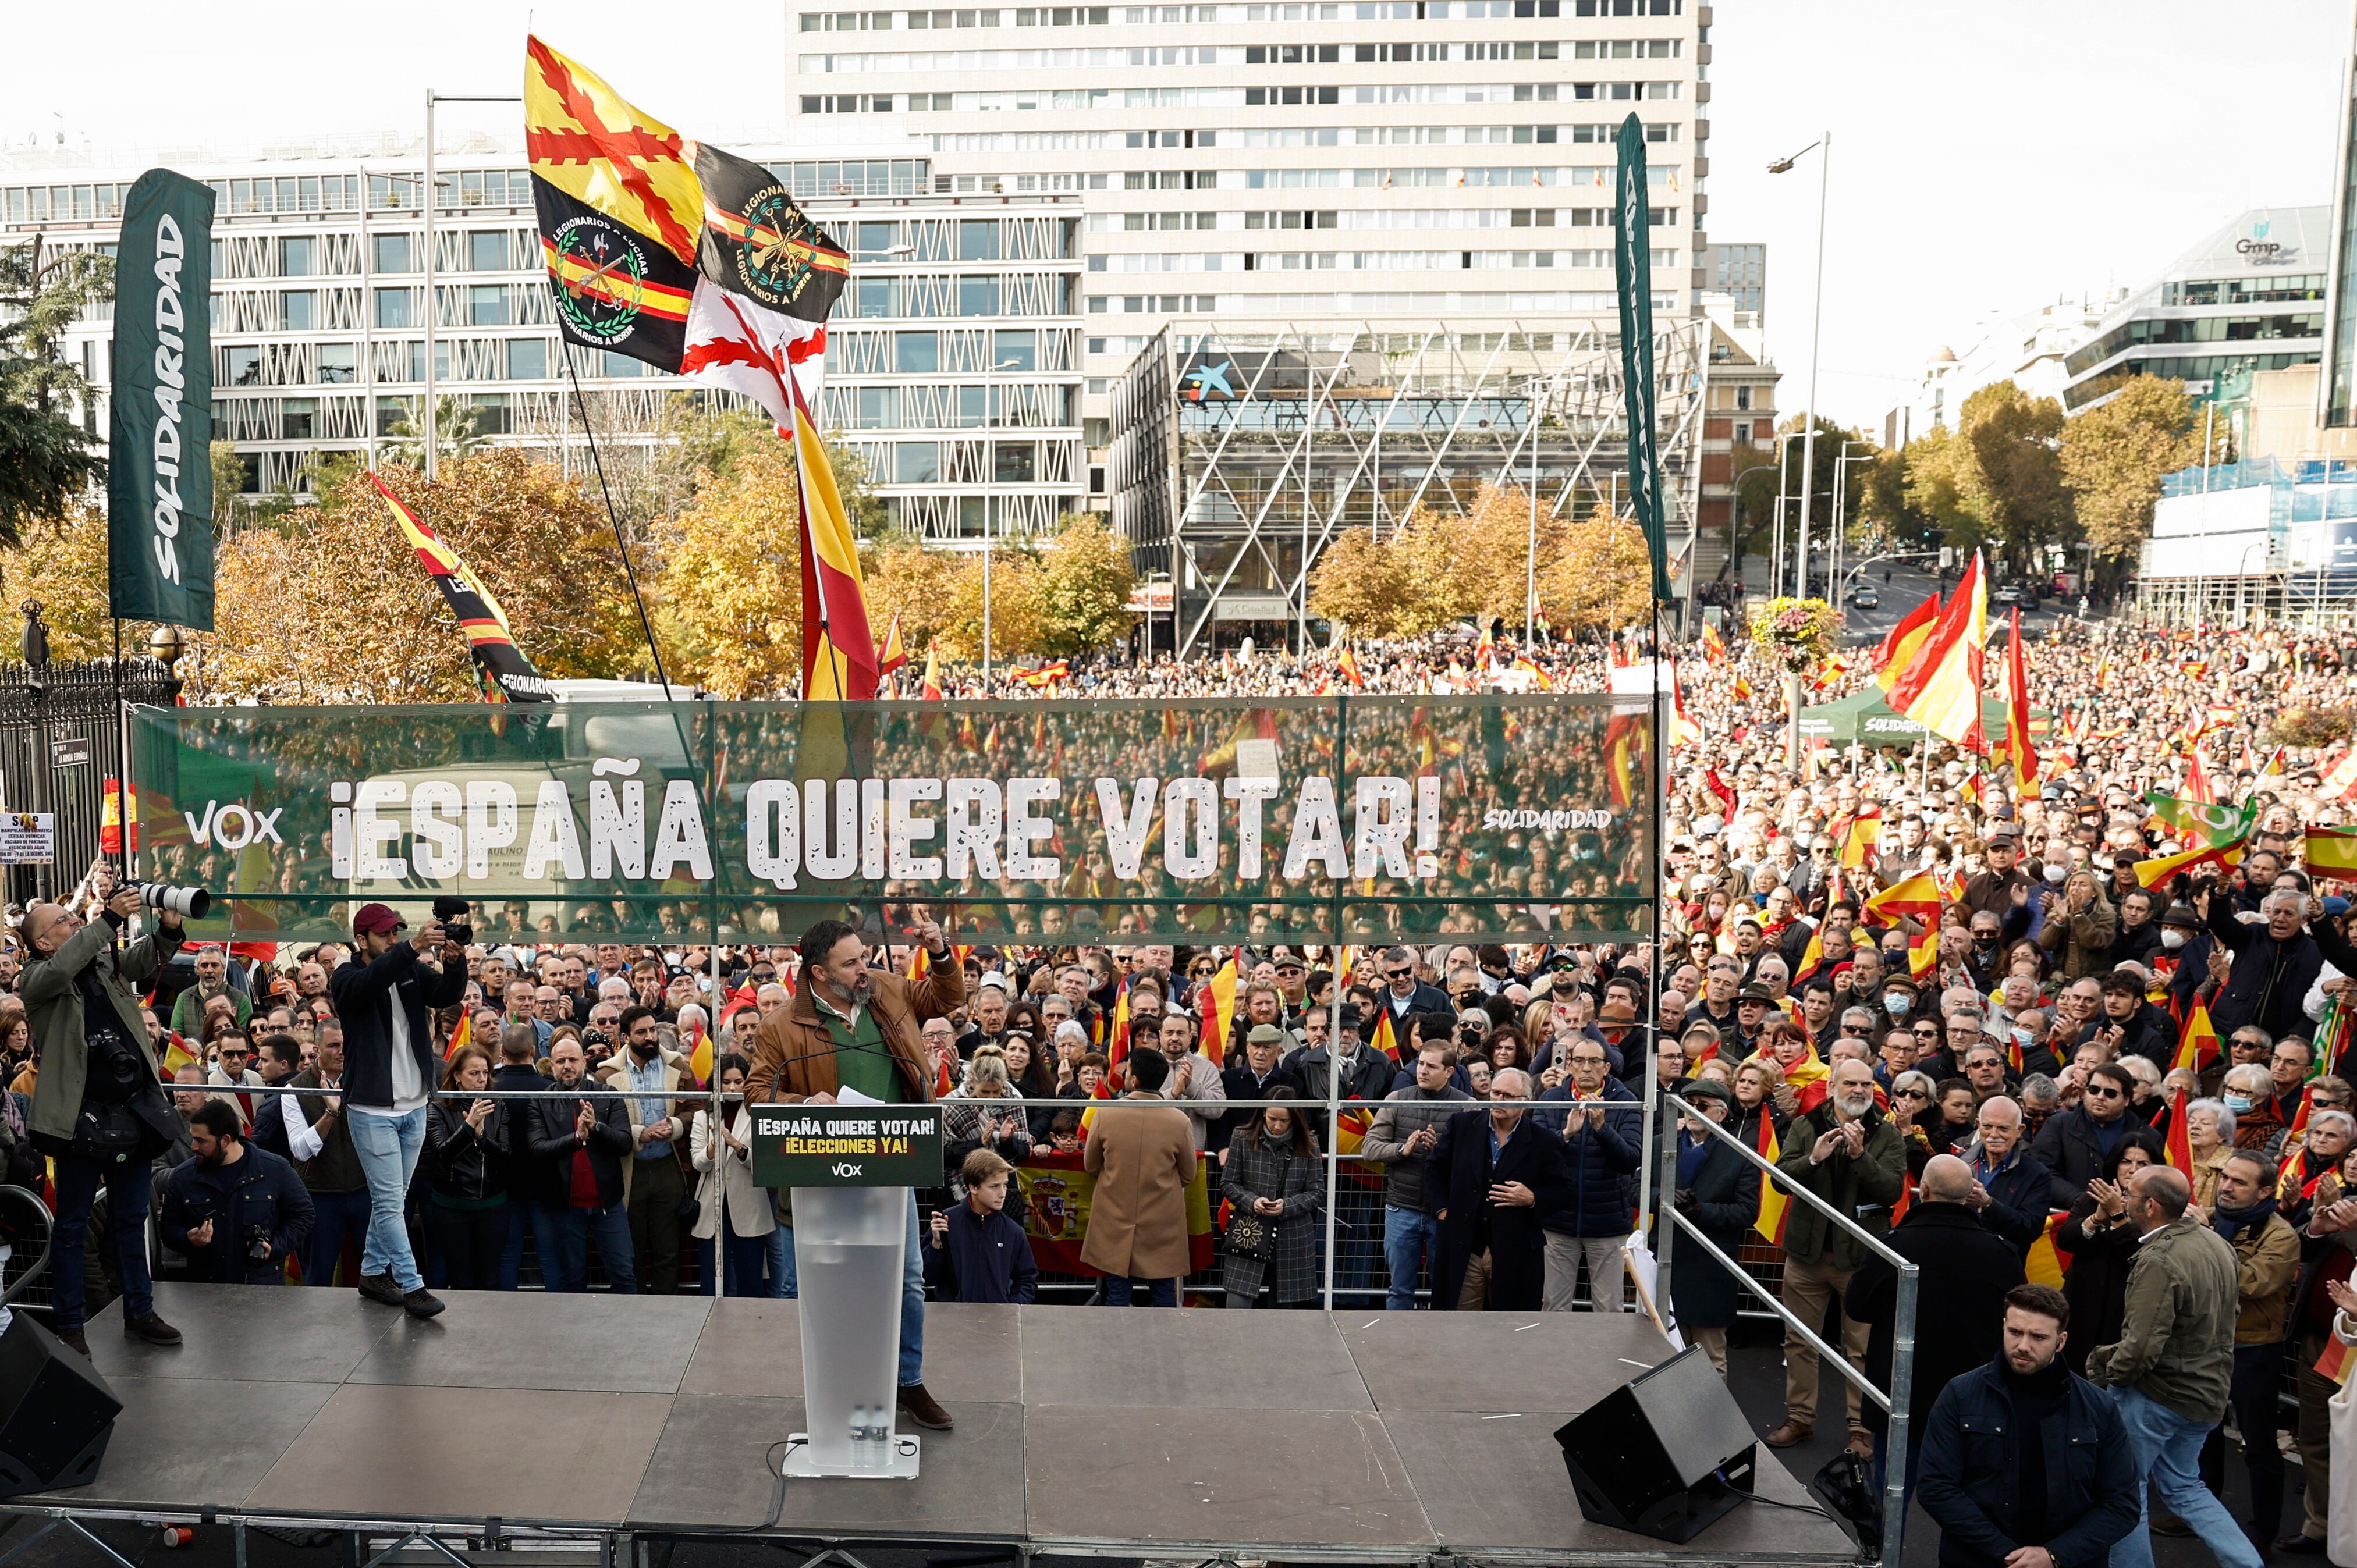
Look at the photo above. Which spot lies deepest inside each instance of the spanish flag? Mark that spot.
(1216, 1005)
(2181, 1136)
(699, 1055)
(1772, 1201)
(2048, 1256)
(2197, 1046)
(1714, 645)
(1895, 654)
(2330, 851)
(1918, 898)
(462, 1036)
(2156, 872)
(1347, 666)
(838, 651)
(1941, 689)
(2023, 756)
(894, 655)
(2340, 1359)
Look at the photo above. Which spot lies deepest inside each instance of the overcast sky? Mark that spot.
(1988, 157)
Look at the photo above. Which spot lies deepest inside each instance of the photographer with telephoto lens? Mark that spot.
(99, 1109)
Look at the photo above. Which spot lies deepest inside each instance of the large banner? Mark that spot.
(1299, 819)
(159, 480)
(1059, 1193)
(1632, 261)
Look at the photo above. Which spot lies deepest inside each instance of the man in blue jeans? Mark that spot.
(384, 995)
(2173, 1366)
(1401, 1135)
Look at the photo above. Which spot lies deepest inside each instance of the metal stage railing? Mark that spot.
(1893, 1401)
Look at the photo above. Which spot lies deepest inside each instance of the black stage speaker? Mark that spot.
(56, 1414)
(1663, 1454)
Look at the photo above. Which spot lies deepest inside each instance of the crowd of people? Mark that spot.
(2130, 1245)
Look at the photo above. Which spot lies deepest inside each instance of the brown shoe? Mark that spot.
(1862, 1444)
(924, 1409)
(1792, 1434)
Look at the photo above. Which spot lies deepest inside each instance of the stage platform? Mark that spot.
(1351, 1436)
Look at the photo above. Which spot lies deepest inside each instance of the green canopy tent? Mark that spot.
(1864, 718)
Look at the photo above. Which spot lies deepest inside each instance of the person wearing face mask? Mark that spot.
(733, 1217)
(1898, 998)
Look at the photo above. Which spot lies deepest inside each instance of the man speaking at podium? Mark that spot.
(853, 1028)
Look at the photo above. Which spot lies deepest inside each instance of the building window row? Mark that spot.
(1228, 15)
(2152, 330)
(2244, 291)
(1360, 261)
(903, 61)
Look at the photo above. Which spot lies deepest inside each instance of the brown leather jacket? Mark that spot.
(793, 1058)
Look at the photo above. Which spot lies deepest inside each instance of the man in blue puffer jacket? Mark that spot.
(1602, 1133)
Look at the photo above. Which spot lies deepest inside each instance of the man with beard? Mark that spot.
(235, 1211)
(2027, 1502)
(853, 1027)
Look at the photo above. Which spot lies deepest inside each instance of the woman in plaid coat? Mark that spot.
(1273, 1170)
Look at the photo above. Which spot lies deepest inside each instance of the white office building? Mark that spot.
(1384, 160)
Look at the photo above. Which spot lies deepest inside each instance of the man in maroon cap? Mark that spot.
(384, 996)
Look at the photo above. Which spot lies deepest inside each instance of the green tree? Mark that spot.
(2115, 453)
(47, 460)
(1994, 482)
(1085, 583)
(457, 431)
(1752, 471)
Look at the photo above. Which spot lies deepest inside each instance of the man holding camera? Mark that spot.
(98, 1106)
(384, 995)
(235, 1211)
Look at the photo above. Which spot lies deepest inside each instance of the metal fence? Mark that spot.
(59, 742)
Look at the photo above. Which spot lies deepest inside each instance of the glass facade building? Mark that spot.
(954, 357)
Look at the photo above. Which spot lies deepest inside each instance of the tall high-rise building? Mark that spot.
(1394, 160)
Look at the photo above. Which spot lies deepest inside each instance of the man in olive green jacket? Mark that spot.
(2173, 1364)
(1847, 1153)
(69, 961)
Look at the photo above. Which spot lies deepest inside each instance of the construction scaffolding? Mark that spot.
(1243, 453)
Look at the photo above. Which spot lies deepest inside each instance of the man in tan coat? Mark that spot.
(1142, 1153)
(850, 1027)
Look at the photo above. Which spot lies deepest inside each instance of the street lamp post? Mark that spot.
(990, 476)
(1841, 510)
(1735, 514)
(1823, 148)
(1784, 450)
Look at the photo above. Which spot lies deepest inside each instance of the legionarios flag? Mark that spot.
(506, 676)
(758, 242)
(2330, 851)
(1632, 259)
(613, 287)
(159, 480)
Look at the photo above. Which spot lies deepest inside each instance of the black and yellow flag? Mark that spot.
(506, 674)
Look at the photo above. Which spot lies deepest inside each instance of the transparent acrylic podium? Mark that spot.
(850, 1245)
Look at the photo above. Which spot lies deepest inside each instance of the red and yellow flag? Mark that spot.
(2181, 1136)
(1895, 654)
(461, 1037)
(1772, 1201)
(1347, 666)
(1941, 690)
(583, 138)
(1216, 1005)
(2048, 1257)
(2197, 1045)
(2023, 756)
(1714, 645)
(838, 651)
(2328, 852)
(506, 675)
(1918, 898)
(2340, 1360)
(893, 655)
(699, 1055)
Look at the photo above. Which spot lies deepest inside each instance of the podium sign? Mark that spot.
(846, 1145)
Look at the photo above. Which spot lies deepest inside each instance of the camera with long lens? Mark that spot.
(189, 903)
